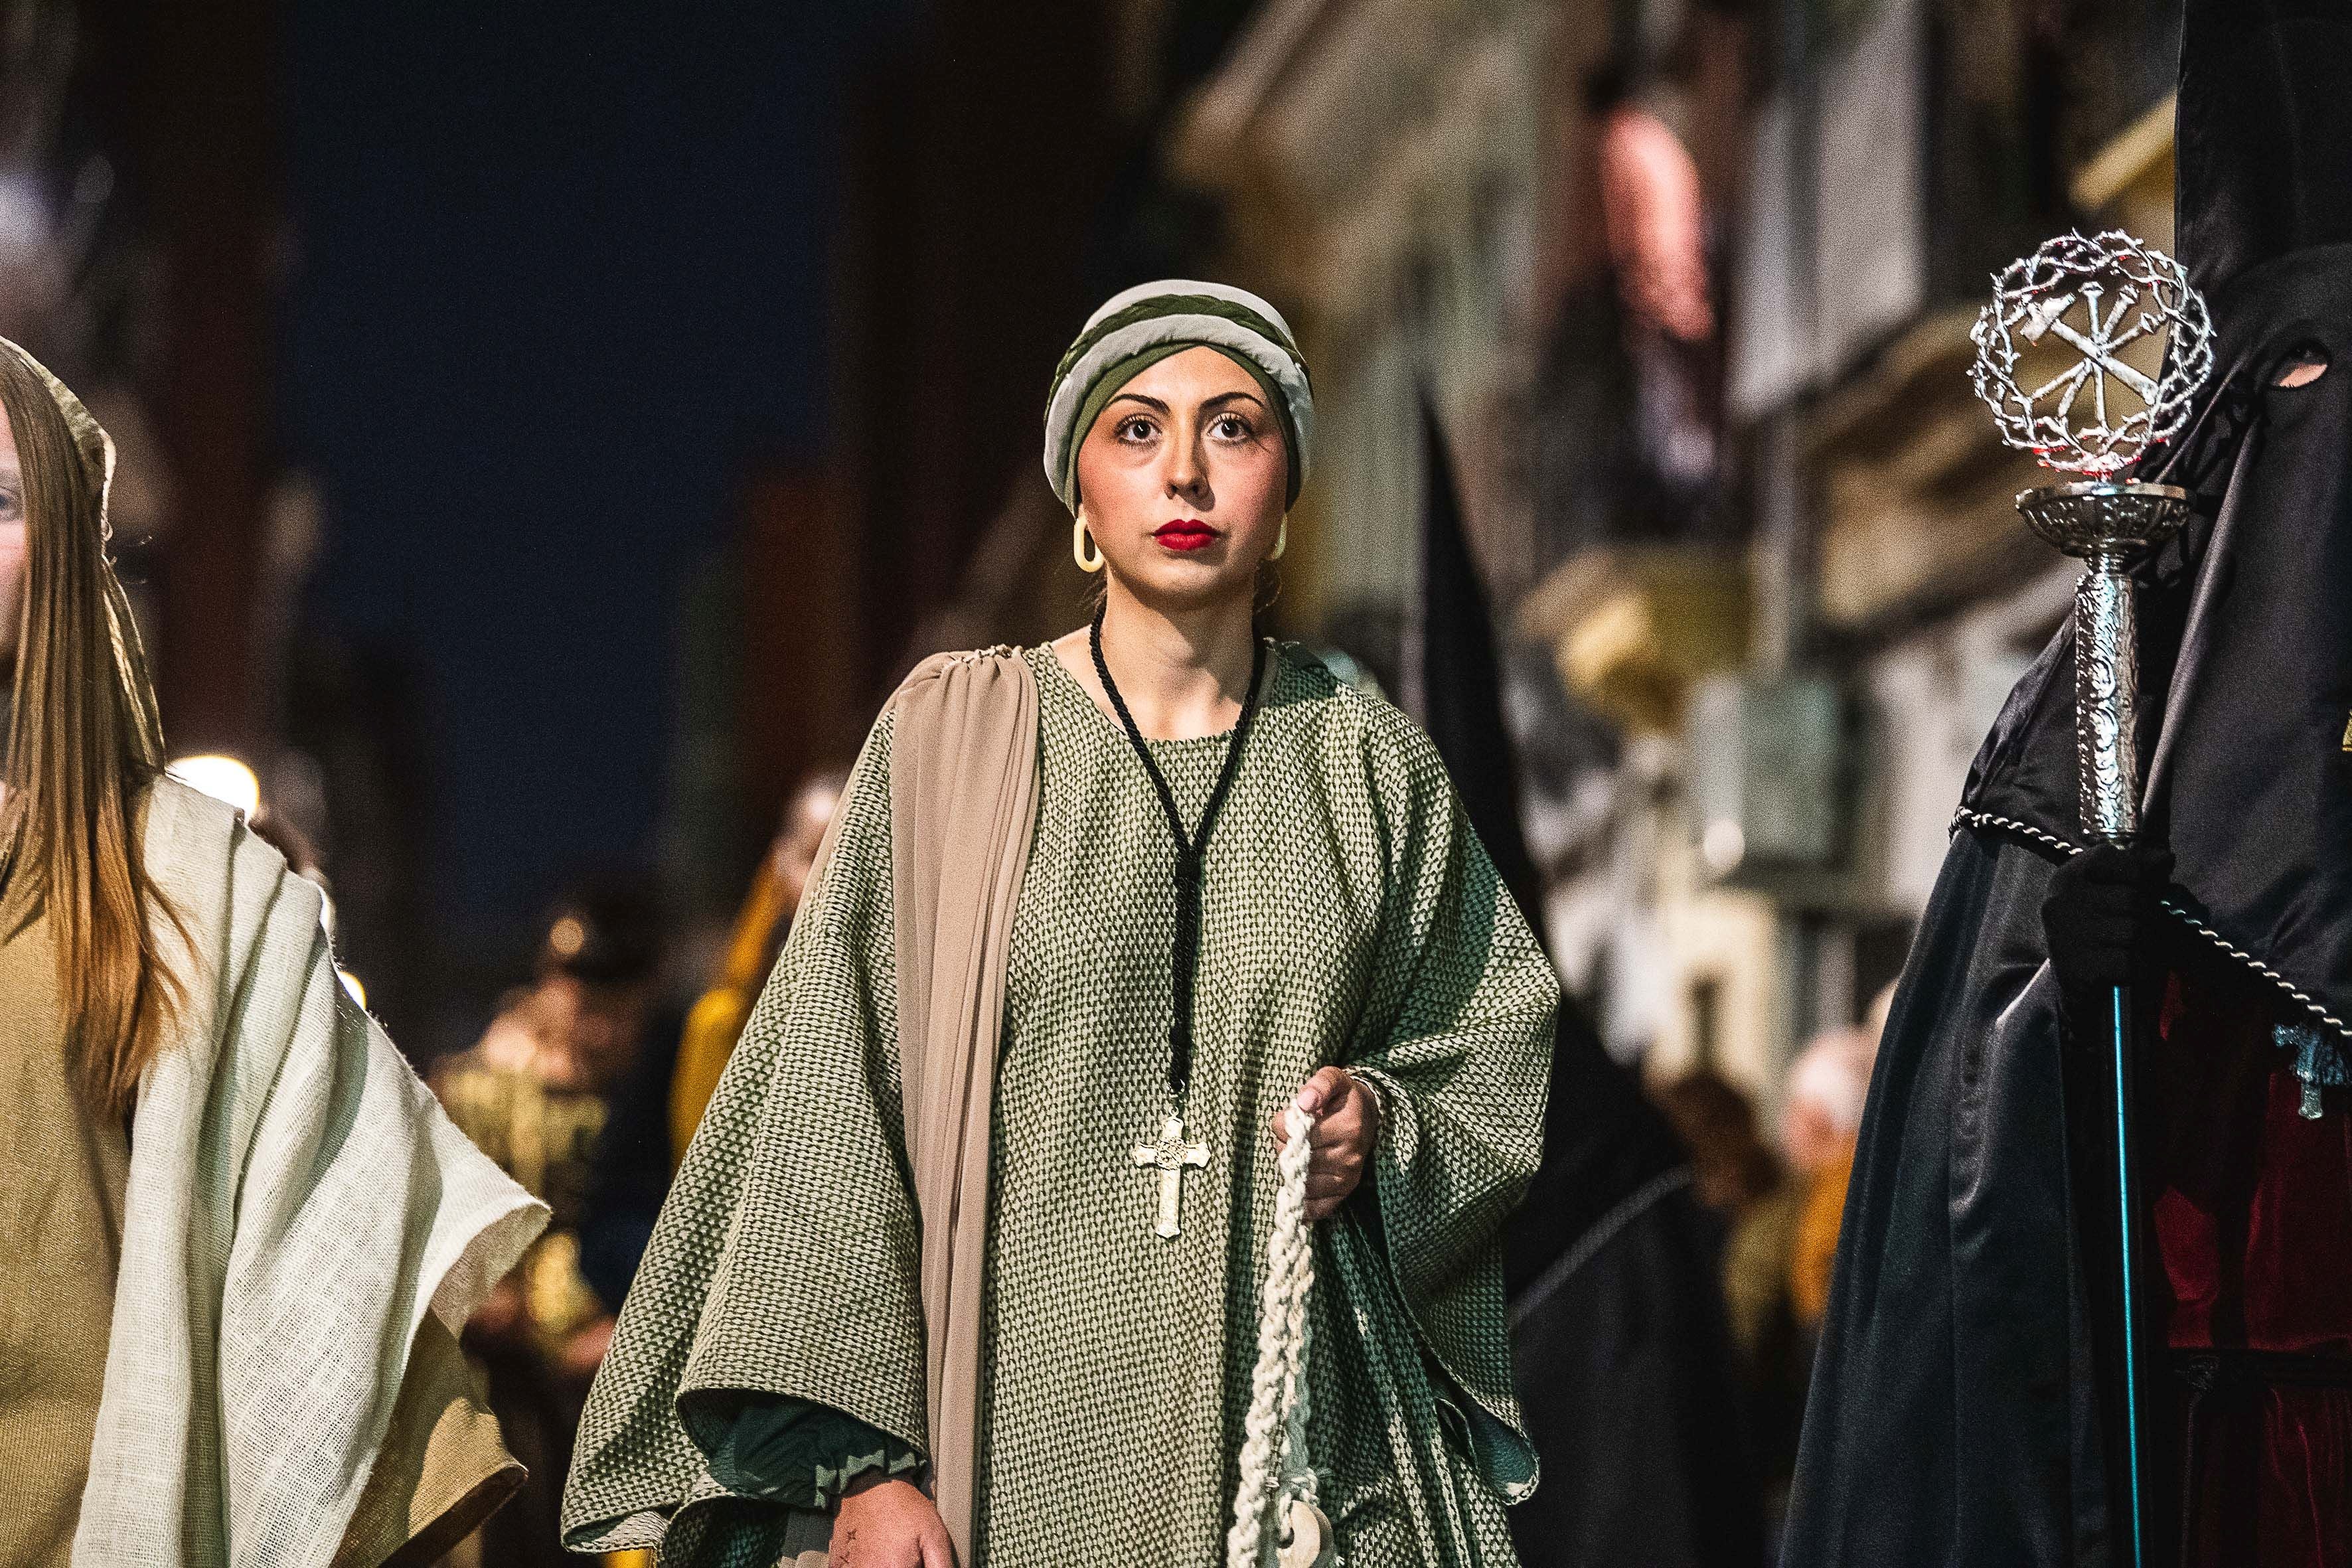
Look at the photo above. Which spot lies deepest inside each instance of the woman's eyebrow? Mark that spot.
(1139, 397)
(1225, 397)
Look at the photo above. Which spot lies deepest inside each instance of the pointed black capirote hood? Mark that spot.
(2264, 125)
(1604, 1141)
(1458, 681)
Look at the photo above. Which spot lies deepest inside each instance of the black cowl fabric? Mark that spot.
(2264, 117)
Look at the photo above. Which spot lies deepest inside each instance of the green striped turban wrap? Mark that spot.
(1137, 329)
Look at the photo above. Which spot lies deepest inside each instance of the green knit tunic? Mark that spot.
(1349, 916)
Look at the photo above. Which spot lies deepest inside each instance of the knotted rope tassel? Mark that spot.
(1277, 1494)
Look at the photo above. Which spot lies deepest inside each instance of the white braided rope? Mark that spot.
(1275, 1469)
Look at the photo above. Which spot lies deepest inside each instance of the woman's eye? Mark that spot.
(12, 506)
(1135, 429)
(1231, 427)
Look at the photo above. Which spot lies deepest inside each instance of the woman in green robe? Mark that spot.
(962, 1264)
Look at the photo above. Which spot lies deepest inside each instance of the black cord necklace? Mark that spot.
(1171, 1154)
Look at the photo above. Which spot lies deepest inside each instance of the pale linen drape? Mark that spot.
(297, 1203)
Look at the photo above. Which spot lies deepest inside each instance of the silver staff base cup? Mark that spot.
(2109, 526)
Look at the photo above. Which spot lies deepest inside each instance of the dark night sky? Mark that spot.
(562, 273)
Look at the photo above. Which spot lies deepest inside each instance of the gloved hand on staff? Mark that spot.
(2101, 911)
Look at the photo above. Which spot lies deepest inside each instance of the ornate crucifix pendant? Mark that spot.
(1170, 1155)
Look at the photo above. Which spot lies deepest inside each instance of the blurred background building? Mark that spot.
(1688, 284)
(1685, 285)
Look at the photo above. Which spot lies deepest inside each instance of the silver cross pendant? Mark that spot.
(1170, 1155)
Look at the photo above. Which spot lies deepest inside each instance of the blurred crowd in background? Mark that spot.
(1665, 301)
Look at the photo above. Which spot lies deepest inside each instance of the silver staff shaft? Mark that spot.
(2109, 525)
(2106, 691)
(2106, 754)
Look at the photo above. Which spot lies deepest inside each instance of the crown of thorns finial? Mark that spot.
(2099, 297)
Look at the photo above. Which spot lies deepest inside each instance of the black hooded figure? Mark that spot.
(1619, 1347)
(1963, 1408)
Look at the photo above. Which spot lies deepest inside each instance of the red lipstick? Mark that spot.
(1186, 533)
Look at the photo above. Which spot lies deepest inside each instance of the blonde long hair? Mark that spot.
(84, 741)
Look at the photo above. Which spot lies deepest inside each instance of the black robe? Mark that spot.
(1620, 1349)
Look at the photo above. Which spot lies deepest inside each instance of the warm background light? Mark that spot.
(224, 778)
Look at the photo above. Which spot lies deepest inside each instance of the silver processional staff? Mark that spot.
(2092, 306)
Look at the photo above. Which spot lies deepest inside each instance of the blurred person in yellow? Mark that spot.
(535, 1095)
(1829, 1084)
(240, 1234)
(718, 1018)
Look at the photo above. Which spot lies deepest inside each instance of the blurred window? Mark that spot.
(1652, 210)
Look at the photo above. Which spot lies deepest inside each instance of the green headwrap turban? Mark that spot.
(1136, 330)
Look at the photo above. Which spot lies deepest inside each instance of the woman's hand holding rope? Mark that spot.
(1347, 1127)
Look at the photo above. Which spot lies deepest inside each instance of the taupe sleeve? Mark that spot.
(443, 1468)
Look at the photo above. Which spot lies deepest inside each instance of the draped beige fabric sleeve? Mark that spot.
(964, 772)
(821, 1203)
(442, 1470)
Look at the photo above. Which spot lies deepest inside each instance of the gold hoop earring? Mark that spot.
(1281, 539)
(1082, 545)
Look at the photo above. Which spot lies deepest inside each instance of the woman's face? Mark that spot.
(1182, 480)
(12, 545)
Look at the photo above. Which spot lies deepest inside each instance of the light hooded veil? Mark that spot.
(297, 1205)
(95, 447)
